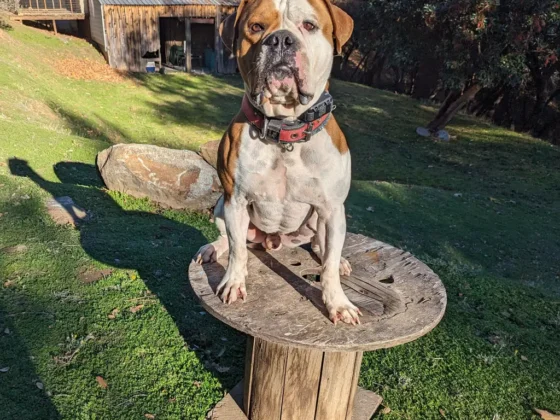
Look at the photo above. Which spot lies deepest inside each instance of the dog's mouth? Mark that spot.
(282, 85)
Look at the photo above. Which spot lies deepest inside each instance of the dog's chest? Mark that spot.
(282, 187)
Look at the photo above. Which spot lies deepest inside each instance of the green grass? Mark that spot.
(483, 211)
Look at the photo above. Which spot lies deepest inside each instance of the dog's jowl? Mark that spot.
(284, 162)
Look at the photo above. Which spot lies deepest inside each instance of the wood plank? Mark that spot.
(366, 404)
(54, 27)
(301, 385)
(49, 16)
(249, 364)
(335, 387)
(268, 379)
(188, 45)
(354, 385)
(218, 42)
(229, 408)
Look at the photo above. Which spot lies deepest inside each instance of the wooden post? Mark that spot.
(188, 45)
(71, 6)
(285, 382)
(218, 41)
(54, 27)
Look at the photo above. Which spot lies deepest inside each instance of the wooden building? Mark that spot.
(182, 34)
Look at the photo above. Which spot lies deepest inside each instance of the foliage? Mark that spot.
(513, 45)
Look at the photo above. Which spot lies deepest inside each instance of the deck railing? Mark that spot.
(72, 6)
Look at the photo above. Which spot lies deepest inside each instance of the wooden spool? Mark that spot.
(300, 366)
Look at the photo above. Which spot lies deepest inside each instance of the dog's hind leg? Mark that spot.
(212, 251)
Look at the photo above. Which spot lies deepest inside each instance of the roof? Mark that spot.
(171, 2)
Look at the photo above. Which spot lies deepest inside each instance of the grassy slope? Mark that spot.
(482, 211)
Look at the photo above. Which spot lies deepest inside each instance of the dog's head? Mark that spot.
(285, 50)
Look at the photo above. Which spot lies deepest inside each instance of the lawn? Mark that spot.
(483, 211)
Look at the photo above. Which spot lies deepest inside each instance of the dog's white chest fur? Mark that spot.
(284, 188)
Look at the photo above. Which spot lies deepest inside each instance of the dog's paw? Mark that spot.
(345, 267)
(341, 309)
(211, 252)
(231, 288)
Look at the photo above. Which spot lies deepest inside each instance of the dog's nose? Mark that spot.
(280, 40)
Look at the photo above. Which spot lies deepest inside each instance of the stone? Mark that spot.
(179, 179)
(443, 135)
(64, 211)
(209, 152)
(424, 132)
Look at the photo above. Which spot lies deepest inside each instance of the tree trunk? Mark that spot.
(450, 107)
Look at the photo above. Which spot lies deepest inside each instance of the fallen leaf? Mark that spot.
(39, 385)
(149, 416)
(8, 283)
(102, 382)
(370, 209)
(135, 309)
(197, 384)
(524, 358)
(442, 412)
(6, 330)
(546, 415)
(113, 313)
(4, 369)
(386, 410)
(222, 369)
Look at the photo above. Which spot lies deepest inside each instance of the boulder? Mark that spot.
(209, 151)
(179, 179)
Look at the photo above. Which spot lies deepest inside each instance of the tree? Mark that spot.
(483, 51)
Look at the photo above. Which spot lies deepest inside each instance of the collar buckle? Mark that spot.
(271, 129)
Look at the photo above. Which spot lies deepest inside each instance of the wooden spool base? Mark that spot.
(299, 365)
(231, 406)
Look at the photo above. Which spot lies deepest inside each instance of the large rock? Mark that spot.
(209, 151)
(174, 178)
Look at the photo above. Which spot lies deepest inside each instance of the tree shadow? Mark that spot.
(156, 245)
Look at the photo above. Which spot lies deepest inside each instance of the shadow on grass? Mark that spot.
(156, 246)
(20, 395)
(175, 106)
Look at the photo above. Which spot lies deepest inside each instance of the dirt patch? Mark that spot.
(87, 69)
(91, 275)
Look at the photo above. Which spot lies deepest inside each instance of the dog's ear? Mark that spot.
(228, 32)
(343, 25)
(228, 28)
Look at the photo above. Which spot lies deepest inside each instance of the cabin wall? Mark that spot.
(132, 31)
(96, 23)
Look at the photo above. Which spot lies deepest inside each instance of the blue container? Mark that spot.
(151, 67)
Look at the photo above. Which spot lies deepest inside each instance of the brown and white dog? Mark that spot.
(277, 195)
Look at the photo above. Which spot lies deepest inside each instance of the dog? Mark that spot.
(284, 162)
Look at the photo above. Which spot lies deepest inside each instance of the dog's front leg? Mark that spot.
(338, 305)
(236, 218)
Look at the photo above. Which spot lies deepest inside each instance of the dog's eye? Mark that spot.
(309, 27)
(256, 28)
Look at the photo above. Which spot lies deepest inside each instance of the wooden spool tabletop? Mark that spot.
(400, 297)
